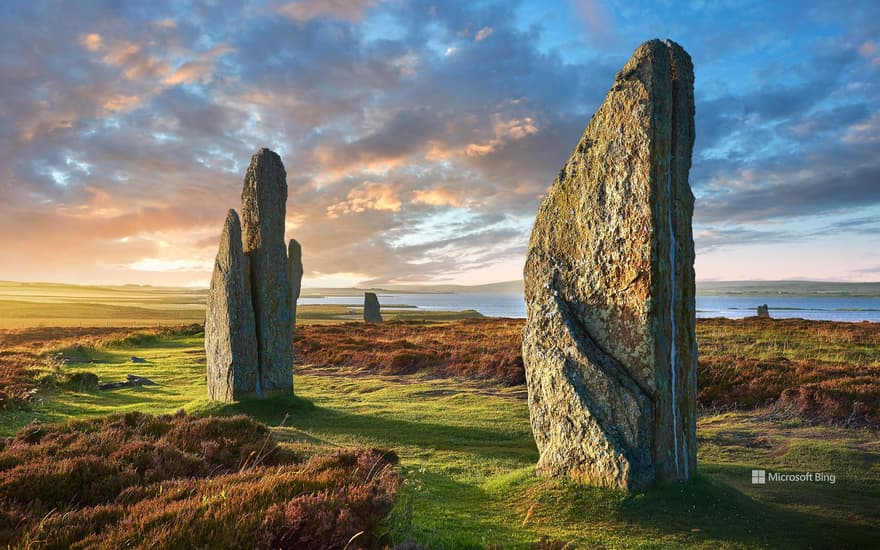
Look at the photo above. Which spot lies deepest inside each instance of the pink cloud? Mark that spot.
(483, 34)
(304, 10)
(368, 196)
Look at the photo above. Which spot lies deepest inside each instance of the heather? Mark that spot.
(186, 481)
(484, 349)
(820, 370)
(463, 438)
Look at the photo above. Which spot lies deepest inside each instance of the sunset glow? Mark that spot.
(419, 137)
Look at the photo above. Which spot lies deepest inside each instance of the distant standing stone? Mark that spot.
(764, 311)
(263, 208)
(294, 275)
(609, 344)
(371, 308)
(230, 334)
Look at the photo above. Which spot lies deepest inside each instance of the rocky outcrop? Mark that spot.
(230, 334)
(263, 208)
(294, 276)
(764, 311)
(371, 308)
(609, 344)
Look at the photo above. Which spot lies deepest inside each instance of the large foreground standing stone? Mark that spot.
(294, 276)
(609, 344)
(371, 308)
(263, 206)
(230, 335)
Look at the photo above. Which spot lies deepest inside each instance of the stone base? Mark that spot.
(277, 392)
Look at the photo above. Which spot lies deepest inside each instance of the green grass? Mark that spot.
(468, 456)
(60, 305)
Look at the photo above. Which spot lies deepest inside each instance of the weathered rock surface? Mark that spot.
(609, 343)
(230, 334)
(263, 208)
(371, 308)
(764, 311)
(294, 276)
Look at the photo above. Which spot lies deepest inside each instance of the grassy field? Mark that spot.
(465, 445)
(58, 305)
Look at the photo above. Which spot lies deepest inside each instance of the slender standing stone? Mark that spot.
(294, 275)
(609, 344)
(371, 308)
(230, 335)
(263, 206)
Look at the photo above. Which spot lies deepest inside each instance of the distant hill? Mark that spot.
(704, 288)
(788, 288)
(506, 287)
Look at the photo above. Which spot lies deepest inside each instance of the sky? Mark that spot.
(419, 136)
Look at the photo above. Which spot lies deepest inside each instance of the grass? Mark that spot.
(467, 452)
(820, 370)
(24, 305)
(824, 370)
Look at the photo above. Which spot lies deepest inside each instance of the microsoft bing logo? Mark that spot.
(759, 477)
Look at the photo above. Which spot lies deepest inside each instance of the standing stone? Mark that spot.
(230, 334)
(263, 206)
(371, 308)
(609, 344)
(764, 311)
(294, 276)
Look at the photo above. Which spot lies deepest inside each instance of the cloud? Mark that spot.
(92, 42)
(120, 102)
(794, 194)
(597, 20)
(368, 196)
(439, 196)
(504, 131)
(198, 69)
(483, 34)
(166, 23)
(419, 137)
(305, 10)
(867, 131)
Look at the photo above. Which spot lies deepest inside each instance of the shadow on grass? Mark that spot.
(303, 414)
(707, 509)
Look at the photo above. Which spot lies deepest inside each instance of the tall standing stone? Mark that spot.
(764, 311)
(609, 343)
(371, 308)
(294, 276)
(263, 206)
(230, 334)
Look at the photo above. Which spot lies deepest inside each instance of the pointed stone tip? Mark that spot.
(232, 217)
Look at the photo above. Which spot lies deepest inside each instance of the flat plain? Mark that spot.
(446, 397)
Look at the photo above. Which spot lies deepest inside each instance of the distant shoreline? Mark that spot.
(784, 288)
